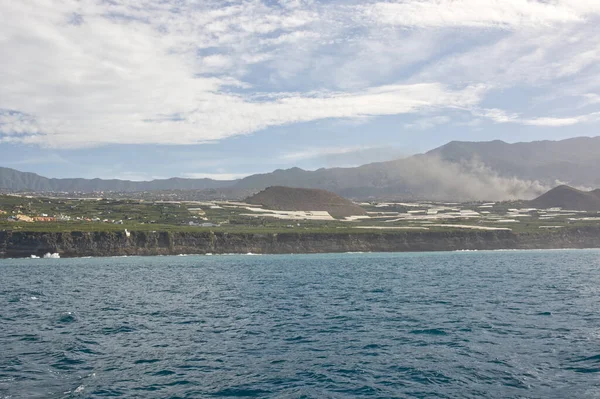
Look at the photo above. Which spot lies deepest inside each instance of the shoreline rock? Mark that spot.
(15, 244)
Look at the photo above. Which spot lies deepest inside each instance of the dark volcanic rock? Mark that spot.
(77, 244)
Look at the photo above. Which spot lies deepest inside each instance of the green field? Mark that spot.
(142, 215)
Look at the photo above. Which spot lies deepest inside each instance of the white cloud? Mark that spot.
(478, 13)
(217, 61)
(293, 37)
(44, 158)
(349, 156)
(500, 116)
(497, 115)
(16, 123)
(216, 176)
(473, 123)
(322, 152)
(552, 122)
(525, 57)
(132, 176)
(428, 123)
(591, 98)
(82, 73)
(117, 80)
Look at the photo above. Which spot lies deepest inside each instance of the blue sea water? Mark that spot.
(510, 324)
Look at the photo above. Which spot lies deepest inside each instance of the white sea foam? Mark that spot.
(54, 255)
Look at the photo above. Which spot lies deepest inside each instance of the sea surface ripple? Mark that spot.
(430, 325)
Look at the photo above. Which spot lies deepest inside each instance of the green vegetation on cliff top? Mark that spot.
(90, 215)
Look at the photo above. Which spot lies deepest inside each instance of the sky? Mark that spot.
(144, 89)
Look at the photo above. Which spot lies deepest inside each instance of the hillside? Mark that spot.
(14, 180)
(568, 198)
(302, 199)
(457, 171)
(574, 161)
(420, 177)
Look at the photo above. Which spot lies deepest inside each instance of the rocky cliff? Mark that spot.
(76, 244)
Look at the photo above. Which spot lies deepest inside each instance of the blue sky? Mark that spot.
(154, 89)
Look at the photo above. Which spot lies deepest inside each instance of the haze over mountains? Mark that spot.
(14, 180)
(575, 161)
(457, 171)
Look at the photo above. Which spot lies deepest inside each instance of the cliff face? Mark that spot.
(23, 244)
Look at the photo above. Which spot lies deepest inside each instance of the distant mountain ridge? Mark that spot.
(575, 161)
(14, 180)
(456, 171)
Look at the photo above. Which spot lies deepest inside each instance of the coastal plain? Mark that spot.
(101, 226)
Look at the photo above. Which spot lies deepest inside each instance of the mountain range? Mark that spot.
(14, 180)
(456, 171)
(575, 161)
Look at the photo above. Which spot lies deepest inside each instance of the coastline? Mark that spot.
(19, 244)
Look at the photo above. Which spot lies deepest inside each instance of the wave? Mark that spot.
(54, 255)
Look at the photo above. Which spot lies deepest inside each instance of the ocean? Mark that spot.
(512, 324)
